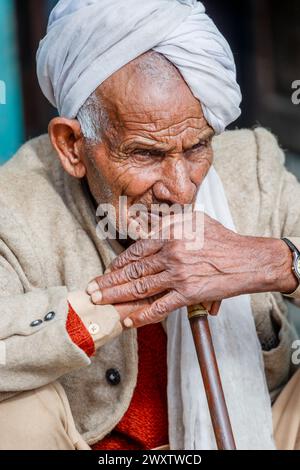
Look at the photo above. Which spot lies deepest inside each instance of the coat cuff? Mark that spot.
(78, 333)
(296, 293)
(102, 322)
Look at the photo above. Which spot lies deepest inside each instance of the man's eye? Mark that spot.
(147, 153)
(199, 146)
(141, 152)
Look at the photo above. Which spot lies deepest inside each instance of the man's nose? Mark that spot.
(175, 185)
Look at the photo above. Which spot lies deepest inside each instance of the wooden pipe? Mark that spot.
(211, 377)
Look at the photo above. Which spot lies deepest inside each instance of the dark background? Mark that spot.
(265, 39)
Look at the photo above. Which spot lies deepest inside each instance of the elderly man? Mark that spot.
(103, 358)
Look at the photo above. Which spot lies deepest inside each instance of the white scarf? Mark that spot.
(239, 357)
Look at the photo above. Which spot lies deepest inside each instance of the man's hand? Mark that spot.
(108, 319)
(226, 265)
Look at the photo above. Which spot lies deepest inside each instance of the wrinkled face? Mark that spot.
(156, 147)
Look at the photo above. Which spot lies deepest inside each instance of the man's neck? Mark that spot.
(87, 191)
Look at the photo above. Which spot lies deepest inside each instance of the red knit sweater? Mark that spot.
(145, 424)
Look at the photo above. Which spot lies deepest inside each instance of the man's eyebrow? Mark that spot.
(161, 146)
(203, 136)
(138, 145)
(208, 133)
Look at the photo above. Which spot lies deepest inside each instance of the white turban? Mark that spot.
(88, 40)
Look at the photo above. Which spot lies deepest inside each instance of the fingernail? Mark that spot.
(97, 297)
(128, 322)
(92, 287)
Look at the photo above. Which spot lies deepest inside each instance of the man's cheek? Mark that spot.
(199, 170)
(138, 182)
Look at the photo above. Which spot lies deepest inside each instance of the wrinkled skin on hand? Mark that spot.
(227, 265)
(179, 272)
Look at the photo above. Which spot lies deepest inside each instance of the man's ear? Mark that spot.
(67, 139)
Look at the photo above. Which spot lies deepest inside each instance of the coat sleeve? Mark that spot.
(35, 346)
(282, 188)
(288, 210)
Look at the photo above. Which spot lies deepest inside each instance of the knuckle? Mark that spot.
(150, 316)
(147, 316)
(135, 270)
(140, 287)
(161, 309)
(137, 249)
(111, 280)
(119, 261)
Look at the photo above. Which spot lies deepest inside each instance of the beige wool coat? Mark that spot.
(49, 247)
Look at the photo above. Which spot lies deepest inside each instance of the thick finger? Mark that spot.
(135, 290)
(214, 310)
(128, 308)
(156, 312)
(145, 267)
(212, 307)
(138, 250)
